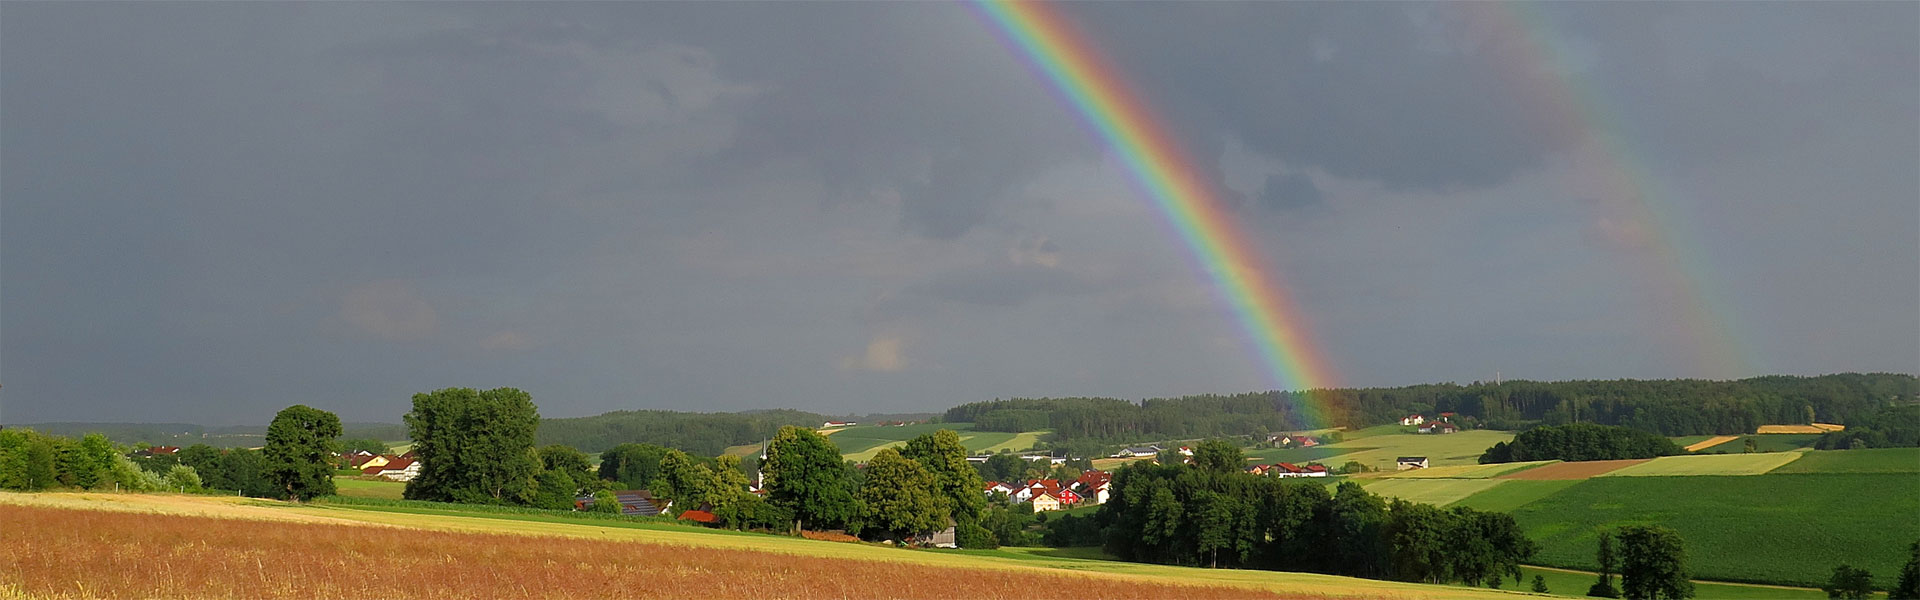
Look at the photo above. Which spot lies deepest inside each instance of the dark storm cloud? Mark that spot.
(213, 210)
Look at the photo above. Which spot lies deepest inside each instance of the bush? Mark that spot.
(972, 535)
(606, 503)
(183, 478)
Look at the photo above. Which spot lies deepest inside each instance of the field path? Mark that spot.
(1711, 442)
(1573, 470)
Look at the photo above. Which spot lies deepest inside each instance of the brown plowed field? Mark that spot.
(1573, 470)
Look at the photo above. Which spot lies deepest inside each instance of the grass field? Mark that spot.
(1872, 460)
(1319, 454)
(1572, 470)
(1568, 582)
(1515, 493)
(1466, 471)
(1788, 529)
(861, 442)
(1441, 450)
(1774, 443)
(1707, 464)
(367, 488)
(62, 549)
(1438, 492)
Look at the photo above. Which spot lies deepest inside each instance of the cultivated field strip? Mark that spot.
(1467, 471)
(1710, 442)
(1438, 492)
(1572, 470)
(1709, 464)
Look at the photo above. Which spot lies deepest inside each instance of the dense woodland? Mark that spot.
(1670, 407)
(1211, 513)
(1891, 427)
(1580, 441)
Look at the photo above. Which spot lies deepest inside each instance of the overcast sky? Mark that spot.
(210, 211)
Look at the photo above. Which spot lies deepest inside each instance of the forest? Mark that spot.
(1671, 407)
(1578, 442)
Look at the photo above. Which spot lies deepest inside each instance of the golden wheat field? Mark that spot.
(63, 553)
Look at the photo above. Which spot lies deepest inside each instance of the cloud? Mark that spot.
(390, 310)
(1289, 191)
(505, 340)
(883, 355)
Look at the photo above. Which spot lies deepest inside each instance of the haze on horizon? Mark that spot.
(210, 211)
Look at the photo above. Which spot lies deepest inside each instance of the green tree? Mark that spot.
(1653, 564)
(349, 446)
(556, 490)
(1540, 585)
(728, 492)
(1003, 467)
(1908, 585)
(95, 455)
(956, 484)
(1218, 456)
(683, 481)
(299, 452)
(1603, 588)
(558, 457)
(605, 502)
(1419, 536)
(183, 478)
(898, 498)
(243, 471)
(633, 465)
(805, 476)
(1849, 583)
(1752, 446)
(474, 446)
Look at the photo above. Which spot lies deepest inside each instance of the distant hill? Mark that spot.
(701, 434)
(186, 434)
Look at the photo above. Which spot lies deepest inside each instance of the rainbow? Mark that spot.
(1677, 274)
(1079, 73)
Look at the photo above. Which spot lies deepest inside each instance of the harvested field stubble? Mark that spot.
(59, 553)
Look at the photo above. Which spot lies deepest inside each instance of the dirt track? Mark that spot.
(1573, 470)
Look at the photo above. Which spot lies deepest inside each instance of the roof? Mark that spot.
(1412, 459)
(398, 464)
(699, 516)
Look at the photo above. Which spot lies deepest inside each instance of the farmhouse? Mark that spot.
(158, 451)
(995, 486)
(1413, 420)
(1045, 494)
(1096, 485)
(833, 424)
(1293, 470)
(1405, 463)
(1439, 427)
(397, 469)
(1137, 451)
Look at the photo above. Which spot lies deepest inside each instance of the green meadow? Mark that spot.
(1438, 492)
(1514, 493)
(368, 488)
(1873, 460)
(1787, 529)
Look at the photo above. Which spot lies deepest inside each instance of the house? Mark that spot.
(944, 538)
(378, 460)
(1055, 458)
(1095, 485)
(1413, 420)
(1405, 463)
(358, 459)
(833, 424)
(995, 486)
(1045, 501)
(1137, 452)
(1439, 427)
(1293, 441)
(158, 451)
(1187, 452)
(398, 469)
(632, 503)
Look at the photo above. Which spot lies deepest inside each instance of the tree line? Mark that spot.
(293, 464)
(1580, 441)
(1669, 407)
(1211, 513)
(704, 434)
(1891, 427)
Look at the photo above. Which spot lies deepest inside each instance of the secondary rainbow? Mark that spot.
(1080, 74)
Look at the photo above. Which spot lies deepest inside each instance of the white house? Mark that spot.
(1137, 451)
(398, 469)
(1413, 420)
(1411, 462)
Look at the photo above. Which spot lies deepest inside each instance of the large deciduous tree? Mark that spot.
(1653, 564)
(633, 465)
(474, 446)
(299, 452)
(1907, 587)
(805, 475)
(898, 499)
(956, 484)
(1849, 583)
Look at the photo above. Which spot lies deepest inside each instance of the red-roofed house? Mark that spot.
(699, 516)
(1413, 420)
(1094, 485)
